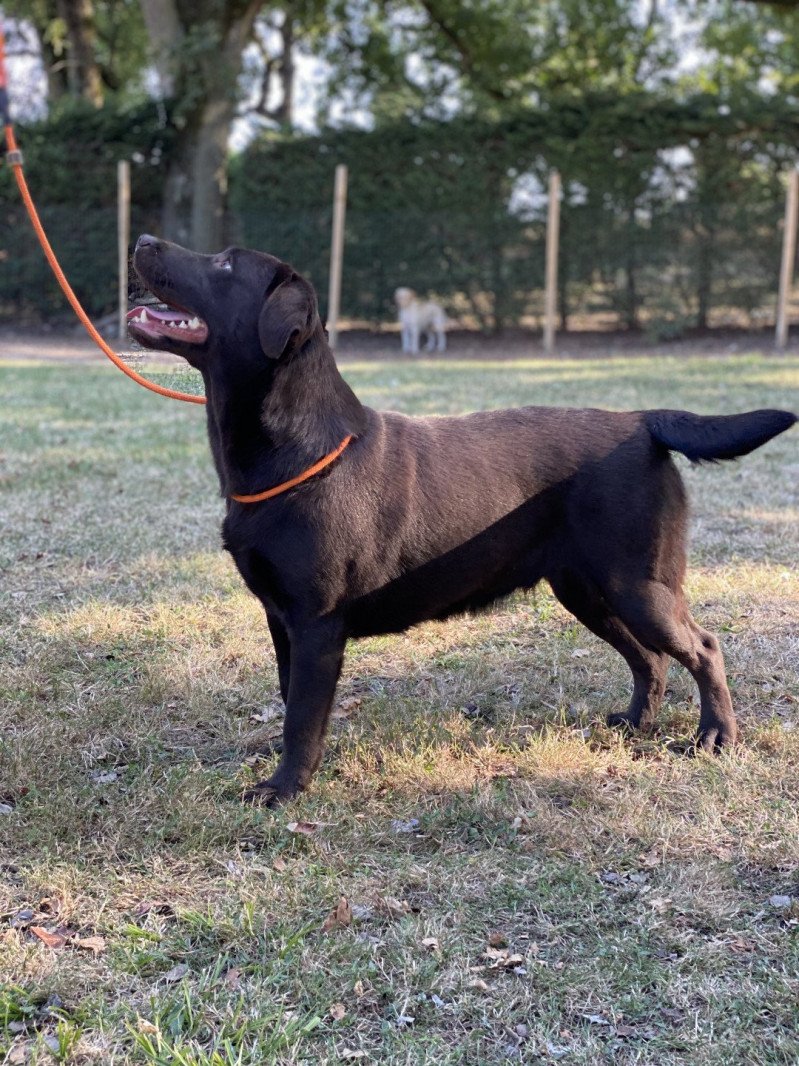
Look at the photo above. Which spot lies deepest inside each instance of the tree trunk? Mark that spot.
(83, 73)
(284, 112)
(203, 110)
(165, 33)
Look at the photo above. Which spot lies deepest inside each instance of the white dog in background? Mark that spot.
(420, 316)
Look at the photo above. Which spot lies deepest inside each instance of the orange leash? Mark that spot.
(269, 493)
(14, 159)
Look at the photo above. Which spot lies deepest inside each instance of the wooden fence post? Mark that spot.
(788, 258)
(336, 253)
(123, 239)
(553, 241)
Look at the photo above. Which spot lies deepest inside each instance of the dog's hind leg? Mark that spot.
(647, 666)
(659, 616)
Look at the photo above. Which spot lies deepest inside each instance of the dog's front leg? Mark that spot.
(282, 644)
(317, 652)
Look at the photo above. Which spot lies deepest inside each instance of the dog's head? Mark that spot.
(404, 297)
(235, 301)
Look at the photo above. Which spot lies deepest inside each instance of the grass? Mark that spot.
(525, 885)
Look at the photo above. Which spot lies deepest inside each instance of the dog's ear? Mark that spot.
(287, 317)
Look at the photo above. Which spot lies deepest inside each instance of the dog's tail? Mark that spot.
(708, 438)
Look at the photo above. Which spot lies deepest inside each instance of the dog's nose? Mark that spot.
(147, 240)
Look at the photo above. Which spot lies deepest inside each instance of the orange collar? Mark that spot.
(286, 485)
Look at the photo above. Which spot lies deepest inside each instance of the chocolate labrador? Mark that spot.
(345, 521)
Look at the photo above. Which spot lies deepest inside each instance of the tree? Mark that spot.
(87, 47)
(435, 58)
(197, 46)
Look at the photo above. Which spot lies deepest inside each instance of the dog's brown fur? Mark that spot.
(421, 518)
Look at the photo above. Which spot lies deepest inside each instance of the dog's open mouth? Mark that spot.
(148, 325)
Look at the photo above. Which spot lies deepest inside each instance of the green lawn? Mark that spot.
(524, 885)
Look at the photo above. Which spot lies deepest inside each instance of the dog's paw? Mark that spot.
(718, 737)
(261, 795)
(622, 721)
(275, 790)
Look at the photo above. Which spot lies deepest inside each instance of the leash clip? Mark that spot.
(14, 159)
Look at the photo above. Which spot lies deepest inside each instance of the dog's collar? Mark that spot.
(267, 494)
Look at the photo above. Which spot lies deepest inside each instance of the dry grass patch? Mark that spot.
(524, 884)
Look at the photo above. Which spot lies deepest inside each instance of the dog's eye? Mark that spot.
(225, 264)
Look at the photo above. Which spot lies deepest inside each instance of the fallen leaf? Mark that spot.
(145, 1027)
(104, 777)
(650, 858)
(22, 918)
(147, 906)
(660, 903)
(232, 977)
(580, 653)
(610, 877)
(17, 1055)
(395, 908)
(339, 918)
(611, 770)
(399, 826)
(479, 984)
(267, 714)
(741, 945)
(52, 940)
(177, 973)
(359, 990)
(351, 1053)
(254, 760)
(305, 828)
(345, 707)
(780, 901)
(337, 1011)
(430, 942)
(6, 808)
(503, 959)
(497, 940)
(596, 1019)
(279, 864)
(91, 943)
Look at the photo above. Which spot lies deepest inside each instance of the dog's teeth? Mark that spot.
(182, 325)
(194, 323)
(142, 317)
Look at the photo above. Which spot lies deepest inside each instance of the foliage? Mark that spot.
(654, 191)
(70, 164)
